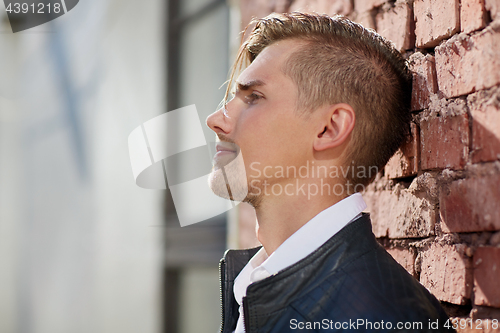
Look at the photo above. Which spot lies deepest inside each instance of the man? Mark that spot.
(319, 105)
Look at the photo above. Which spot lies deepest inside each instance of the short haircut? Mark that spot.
(342, 62)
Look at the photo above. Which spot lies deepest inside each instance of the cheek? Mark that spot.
(270, 140)
(254, 129)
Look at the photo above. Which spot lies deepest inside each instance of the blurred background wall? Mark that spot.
(82, 248)
(80, 244)
(198, 47)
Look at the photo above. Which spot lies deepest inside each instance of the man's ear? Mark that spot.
(338, 123)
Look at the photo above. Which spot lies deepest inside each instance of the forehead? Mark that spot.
(267, 66)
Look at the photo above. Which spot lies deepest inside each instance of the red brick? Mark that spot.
(493, 6)
(423, 68)
(473, 15)
(281, 6)
(444, 141)
(483, 312)
(396, 24)
(330, 7)
(446, 272)
(400, 214)
(405, 258)
(471, 204)
(304, 6)
(435, 21)
(362, 6)
(342, 7)
(465, 64)
(404, 163)
(487, 276)
(366, 20)
(485, 110)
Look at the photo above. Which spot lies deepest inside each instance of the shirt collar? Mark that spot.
(314, 233)
(244, 278)
(303, 242)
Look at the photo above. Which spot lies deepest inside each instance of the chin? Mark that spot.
(235, 192)
(218, 184)
(230, 181)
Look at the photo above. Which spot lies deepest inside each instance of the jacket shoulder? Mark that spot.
(371, 288)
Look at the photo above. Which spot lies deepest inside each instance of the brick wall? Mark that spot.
(435, 206)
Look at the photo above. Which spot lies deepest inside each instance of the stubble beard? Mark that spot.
(230, 182)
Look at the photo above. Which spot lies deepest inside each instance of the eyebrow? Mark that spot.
(249, 84)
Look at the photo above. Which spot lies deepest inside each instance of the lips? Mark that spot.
(226, 152)
(226, 147)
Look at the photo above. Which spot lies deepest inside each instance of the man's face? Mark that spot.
(262, 122)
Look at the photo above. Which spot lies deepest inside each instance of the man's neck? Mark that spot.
(279, 217)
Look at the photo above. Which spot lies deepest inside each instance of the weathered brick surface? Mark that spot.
(446, 272)
(396, 24)
(362, 6)
(493, 6)
(423, 68)
(444, 141)
(404, 163)
(465, 64)
(471, 204)
(405, 258)
(435, 21)
(473, 15)
(366, 20)
(487, 276)
(281, 6)
(484, 312)
(342, 7)
(330, 7)
(399, 214)
(485, 109)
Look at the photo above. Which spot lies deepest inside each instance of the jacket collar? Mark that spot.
(352, 241)
(230, 266)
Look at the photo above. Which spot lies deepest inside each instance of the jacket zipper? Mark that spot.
(246, 314)
(222, 295)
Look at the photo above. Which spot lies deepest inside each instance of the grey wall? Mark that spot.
(80, 244)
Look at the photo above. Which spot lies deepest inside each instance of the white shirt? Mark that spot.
(303, 242)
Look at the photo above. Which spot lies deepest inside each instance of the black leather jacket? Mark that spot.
(349, 284)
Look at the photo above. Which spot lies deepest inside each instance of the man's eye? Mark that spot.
(252, 98)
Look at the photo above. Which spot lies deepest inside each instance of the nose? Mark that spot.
(219, 121)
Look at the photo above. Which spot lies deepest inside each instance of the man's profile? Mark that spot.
(320, 104)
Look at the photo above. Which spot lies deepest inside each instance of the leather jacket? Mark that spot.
(350, 283)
